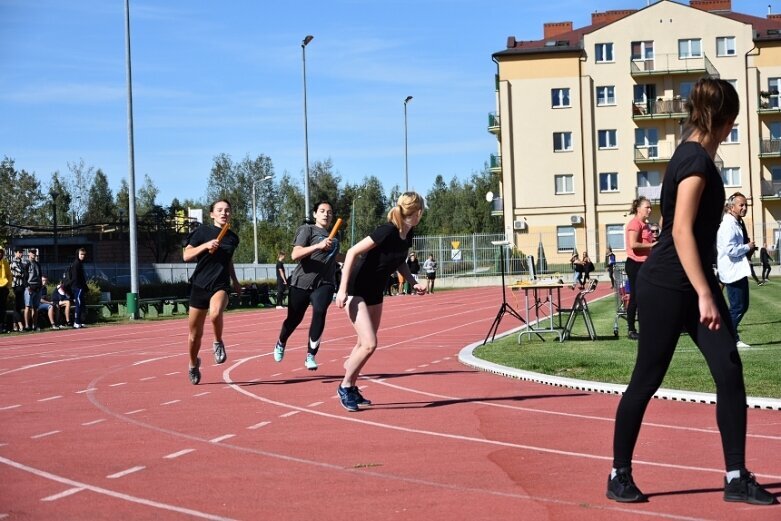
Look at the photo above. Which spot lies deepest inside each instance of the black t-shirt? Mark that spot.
(319, 267)
(389, 252)
(213, 270)
(414, 266)
(280, 268)
(663, 267)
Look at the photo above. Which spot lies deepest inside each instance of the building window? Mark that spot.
(691, 48)
(559, 98)
(730, 176)
(562, 141)
(685, 89)
(775, 130)
(773, 88)
(608, 182)
(652, 178)
(565, 238)
(606, 95)
(647, 139)
(615, 236)
(603, 52)
(565, 184)
(642, 51)
(607, 139)
(734, 135)
(725, 46)
(775, 176)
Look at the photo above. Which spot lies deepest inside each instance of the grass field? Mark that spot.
(611, 359)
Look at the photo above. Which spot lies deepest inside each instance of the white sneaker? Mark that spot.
(742, 345)
(76, 326)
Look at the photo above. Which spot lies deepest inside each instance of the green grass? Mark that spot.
(610, 359)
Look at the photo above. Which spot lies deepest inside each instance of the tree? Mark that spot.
(79, 185)
(21, 200)
(123, 200)
(146, 201)
(59, 187)
(100, 207)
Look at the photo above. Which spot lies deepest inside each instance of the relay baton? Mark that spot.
(221, 235)
(335, 229)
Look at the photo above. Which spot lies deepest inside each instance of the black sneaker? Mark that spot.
(745, 489)
(633, 335)
(219, 353)
(622, 488)
(347, 398)
(195, 372)
(359, 399)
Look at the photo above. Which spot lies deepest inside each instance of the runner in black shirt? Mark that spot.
(211, 282)
(367, 267)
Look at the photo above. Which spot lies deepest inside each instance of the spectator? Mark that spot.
(62, 304)
(430, 267)
(19, 283)
(588, 267)
(79, 289)
(732, 260)
(45, 305)
(639, 241)
(764, 258)
(610, 265)
(281, 279)
(5, 287)
(32, 295)
(414, 268)
(577, 270)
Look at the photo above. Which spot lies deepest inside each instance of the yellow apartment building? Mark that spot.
(587, 119)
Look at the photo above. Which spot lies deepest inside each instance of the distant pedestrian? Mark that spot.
(281, 279)
(18, 285)
(6, 278)
(610, 265)
(79, 289)
(639, 241)
(210, 282)
(430, 267)
(764, 258)
(32, 295)
(732, 260)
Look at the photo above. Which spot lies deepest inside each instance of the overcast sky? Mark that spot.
(226, 77)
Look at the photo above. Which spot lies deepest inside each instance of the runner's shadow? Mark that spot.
(444, 403)
(709, 491)
(332, 379)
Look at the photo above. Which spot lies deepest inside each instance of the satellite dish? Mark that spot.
(489, 196)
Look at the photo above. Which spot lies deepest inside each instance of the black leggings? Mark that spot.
(632, 269)
(665, 314)
(297, 301)
(765, 271)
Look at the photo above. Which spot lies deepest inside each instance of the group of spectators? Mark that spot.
(30, 287)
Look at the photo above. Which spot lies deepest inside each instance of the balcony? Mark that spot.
(494, 123)
(770, 148)
(497, 206)
(652, 193)
(769, 102)
(495, 164)
(657, 153)
(664, 64)
(659, 109)
(771, 189)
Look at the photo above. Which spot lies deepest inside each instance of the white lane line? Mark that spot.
(180, 453)
(423, 365)
(113, 493)
(125, 472)
(50, 398)
(202, 394)
(315, 404)
(135, 412)
(221, 438)
(44, 434)
(289, 414)
(255, 380)
(275, 375)
(64, 493)
(118, 384)
(171, 402)
(87, 390)
(93, 422)
(258, 425)
(149, 360)
(410, 370)
(3, 516)
(147, 378)
(170, 374)
(9, 407)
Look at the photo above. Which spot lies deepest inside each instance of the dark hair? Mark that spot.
(211, 207)
(713, 103)
(18, 249)
(636, 204)
(81, 250)
(318, 203)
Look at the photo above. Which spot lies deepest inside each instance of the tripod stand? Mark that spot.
(505, 307)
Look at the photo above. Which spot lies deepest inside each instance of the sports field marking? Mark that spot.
(258, 425)
(50, 398)
(171, 402)
(64, 493)
(201, 394)
(224, 437)
(171, 374)
(44, 435)
(315, 404)
(87, 390)
(135, 411)
(9, 407)
(118, 384)
(146, 378)
(175, 455)
(289, 414)
(123, 473)
(93, 422)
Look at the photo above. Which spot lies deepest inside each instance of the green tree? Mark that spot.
(146, 201)
(59, 187)
(123, 200)
(79, 185)
(100, 207)
(21, 200)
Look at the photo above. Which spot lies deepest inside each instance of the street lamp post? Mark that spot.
(255, 217)
(406, 160)
(352, 221)
(54, 194)
(307, 219)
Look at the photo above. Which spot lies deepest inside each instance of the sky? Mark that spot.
(226, 77)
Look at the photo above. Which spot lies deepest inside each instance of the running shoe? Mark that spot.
(279, 352)
(745, 489)
(77, 326)
(742, 345)
(195, 372)
(633, 335)
(622, 488)
(310, 362)
(219, 353)
(359, 399)
(347, 398)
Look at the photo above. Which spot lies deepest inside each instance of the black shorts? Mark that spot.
(200, 298)
(431, 275)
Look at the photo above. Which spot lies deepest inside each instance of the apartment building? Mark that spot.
(588, 118)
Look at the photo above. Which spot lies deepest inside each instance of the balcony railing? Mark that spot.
(495, 164)
(770, 148)
(653, 153)
(497, 206)
(771, 188)
(659, 109)
(494, 123)
(652, 193)
(672, 64)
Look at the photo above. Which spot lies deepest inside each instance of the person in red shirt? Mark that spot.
(639, 241)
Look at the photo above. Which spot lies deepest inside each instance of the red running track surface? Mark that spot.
(102, 423)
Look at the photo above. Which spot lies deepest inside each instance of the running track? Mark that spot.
(102, 423)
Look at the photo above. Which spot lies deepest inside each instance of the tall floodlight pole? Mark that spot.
(255, 217)
(406, 157)
(304, 43)
(132, 297)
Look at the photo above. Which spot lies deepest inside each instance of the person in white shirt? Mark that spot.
(731, 261)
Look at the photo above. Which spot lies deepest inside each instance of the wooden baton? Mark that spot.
(221, 235)
(335, 229)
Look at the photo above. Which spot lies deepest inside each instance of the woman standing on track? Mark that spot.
(639, 242)
(210, 282)
(367, 267)
(312, 281)
(678, 291)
